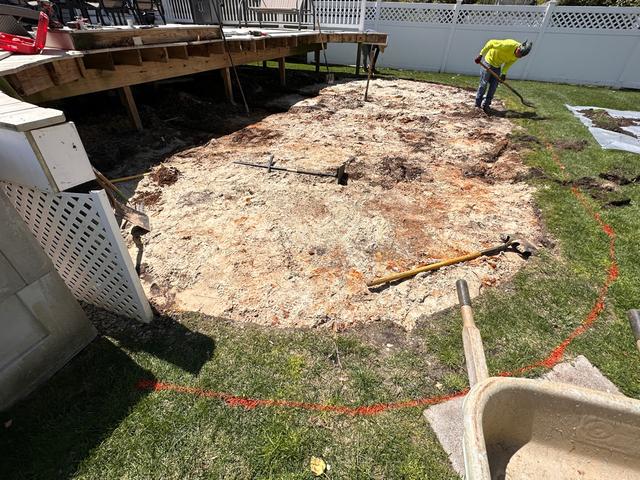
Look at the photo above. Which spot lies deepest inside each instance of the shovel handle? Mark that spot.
(488, 69)
(471, 339)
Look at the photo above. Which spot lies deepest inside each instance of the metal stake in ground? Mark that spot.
(341, 175)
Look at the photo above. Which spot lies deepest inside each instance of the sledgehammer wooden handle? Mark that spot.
(471, 340)
(634, 321)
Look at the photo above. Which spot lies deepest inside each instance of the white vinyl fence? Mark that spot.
(582, 45)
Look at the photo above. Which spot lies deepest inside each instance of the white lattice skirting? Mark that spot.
(78, 231)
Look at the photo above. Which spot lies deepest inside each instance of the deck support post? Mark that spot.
(126, 97)
(358, 58)
(316, 59)
(228, 84)
(282, 71)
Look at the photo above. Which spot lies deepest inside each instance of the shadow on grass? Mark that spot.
(53, 430)
(56, 427)
(163, 338)
(528, 115)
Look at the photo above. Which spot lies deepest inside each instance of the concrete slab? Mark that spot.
(446, 418)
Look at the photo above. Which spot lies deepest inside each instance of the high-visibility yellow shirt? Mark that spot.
(500, 53)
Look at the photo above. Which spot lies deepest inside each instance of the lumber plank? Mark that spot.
(216, 48)
(112, 37)
(81, 67)
(126, 96)
(127, 57)
(228, 84)
(99, 61)
(179, 52)
(154, 55)
(99, 80)
(200, 50)
(282, 70)
(248, 45)
(234, 46)
(63, 71)
(31, 118)
(33, 80)
(16, 63)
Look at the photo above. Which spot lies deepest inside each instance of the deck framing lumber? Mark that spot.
(126, 96)
(97, 80)
(114, 68)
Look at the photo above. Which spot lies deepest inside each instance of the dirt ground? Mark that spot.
(429, 178)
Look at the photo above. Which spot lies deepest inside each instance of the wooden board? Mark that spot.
(113, 37)
(16, 63)
(22, 116)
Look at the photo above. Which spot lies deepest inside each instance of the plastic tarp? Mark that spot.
(608, 139)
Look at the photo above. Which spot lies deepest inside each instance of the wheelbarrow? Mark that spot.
(517, 428)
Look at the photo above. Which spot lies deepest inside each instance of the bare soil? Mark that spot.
(165, 175)
(602, 119)
(287, 249)
(573, 145)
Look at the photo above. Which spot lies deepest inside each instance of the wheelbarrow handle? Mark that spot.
(634, 322)
(471, 339)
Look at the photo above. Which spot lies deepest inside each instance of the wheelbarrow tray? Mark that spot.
(534, 429)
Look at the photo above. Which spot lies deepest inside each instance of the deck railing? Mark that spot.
(332, 14)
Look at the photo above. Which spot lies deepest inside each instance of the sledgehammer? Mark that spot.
(509, 243)
(634, 321)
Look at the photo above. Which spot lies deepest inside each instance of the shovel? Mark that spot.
(138, 219)
(524, 102)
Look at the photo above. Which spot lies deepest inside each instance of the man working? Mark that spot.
(500, 55)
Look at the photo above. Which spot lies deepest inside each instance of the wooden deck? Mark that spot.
(56, 74)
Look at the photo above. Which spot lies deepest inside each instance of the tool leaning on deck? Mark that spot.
(509, 243)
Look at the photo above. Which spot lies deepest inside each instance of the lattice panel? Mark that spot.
(502, 18)
(595, 20)
(85, 246)
(416, 14)
(370, 13)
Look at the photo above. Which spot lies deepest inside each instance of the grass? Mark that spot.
(90, 422)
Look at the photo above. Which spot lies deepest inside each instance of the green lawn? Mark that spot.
(90, 421)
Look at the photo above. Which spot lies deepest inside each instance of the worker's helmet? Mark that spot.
(525, 48)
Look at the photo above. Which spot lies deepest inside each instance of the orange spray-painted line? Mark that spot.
(251, 403)
(549, 361)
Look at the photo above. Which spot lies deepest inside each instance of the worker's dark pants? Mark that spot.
(486, 79)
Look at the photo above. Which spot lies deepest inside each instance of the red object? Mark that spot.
(26, 45)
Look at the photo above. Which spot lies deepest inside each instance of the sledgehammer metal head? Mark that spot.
(634, 322)
(518, 245)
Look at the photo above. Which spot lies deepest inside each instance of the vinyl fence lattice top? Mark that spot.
(529, 17)
(595, 20)
(408, 13)
(502, 18)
